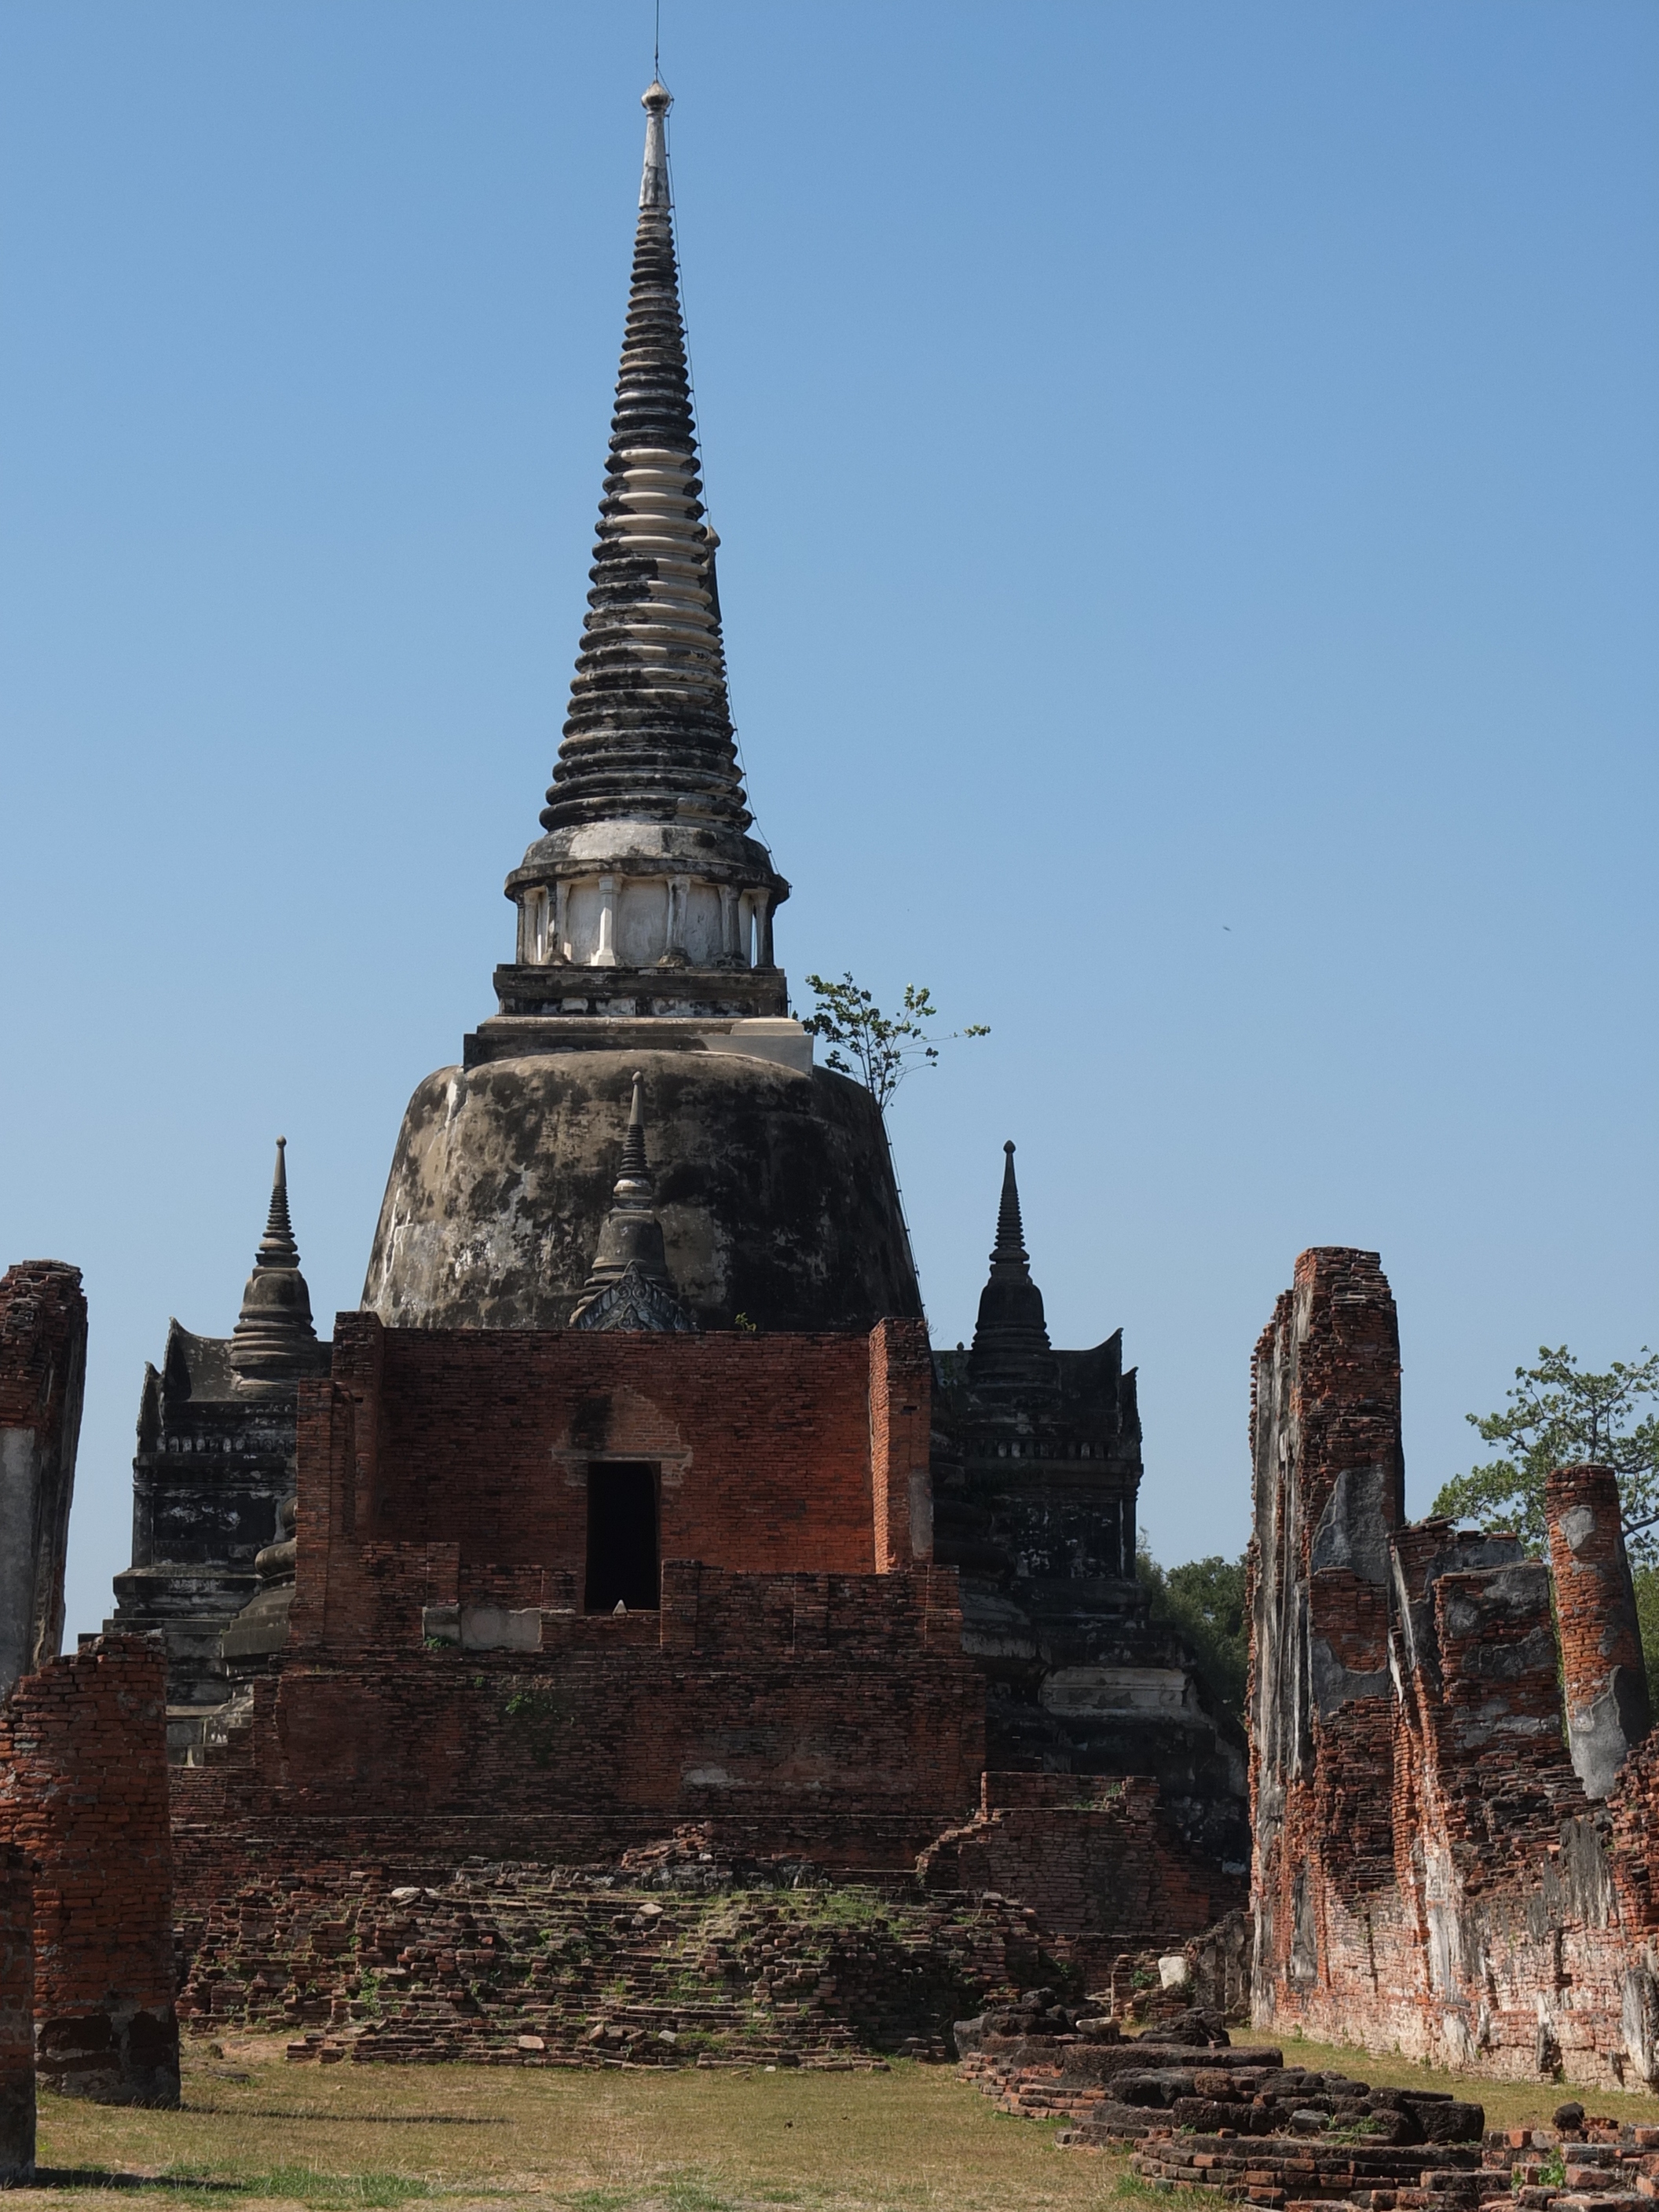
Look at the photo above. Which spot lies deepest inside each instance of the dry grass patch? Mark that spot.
(258, 2135)
(331, 2139)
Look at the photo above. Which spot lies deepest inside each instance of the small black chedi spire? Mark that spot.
(1011, 1340)
(274, 1341)
(629, 1286)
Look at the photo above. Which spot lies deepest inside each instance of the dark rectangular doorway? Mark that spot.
(621, 1537)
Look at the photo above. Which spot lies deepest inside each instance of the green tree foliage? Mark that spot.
(1205, 1600)
(1646, 1579)
(1558, 1416)
(885, 1048)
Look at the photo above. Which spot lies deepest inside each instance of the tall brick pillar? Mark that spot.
(17, 2016)
(83, 1791)
(1602, 1672)
(43, 1361)
(1329, 1479)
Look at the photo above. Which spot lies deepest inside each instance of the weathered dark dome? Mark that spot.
(774, 1190)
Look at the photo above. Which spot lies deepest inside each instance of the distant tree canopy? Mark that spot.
(1205, 1600)
(1558, 1416)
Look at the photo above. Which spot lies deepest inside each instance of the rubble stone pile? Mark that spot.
(1200, 2112)
(677, 1957)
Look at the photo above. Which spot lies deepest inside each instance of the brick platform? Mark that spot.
(446, 1692)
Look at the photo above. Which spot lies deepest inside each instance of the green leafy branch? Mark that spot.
(885, 1048)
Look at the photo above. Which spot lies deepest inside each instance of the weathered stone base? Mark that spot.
(115, 2055)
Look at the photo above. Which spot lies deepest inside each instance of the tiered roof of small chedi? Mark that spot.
(214, 1462)
(274, 1341)
(644, 947)
(1010, 1342)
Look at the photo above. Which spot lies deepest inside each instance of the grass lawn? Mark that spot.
(914, 2140)
(613, 2141)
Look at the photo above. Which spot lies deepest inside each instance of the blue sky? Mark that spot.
(1186, 476)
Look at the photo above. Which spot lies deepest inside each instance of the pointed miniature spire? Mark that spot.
(273, 1341)
(277, 1247)
(1011, 1340)
(636, 1173)
(649, 736)
(629, 1286)
(1011, 1232)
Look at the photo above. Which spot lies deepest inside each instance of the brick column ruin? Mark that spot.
(83, 1791)
(1602, 1673)
(1329, 1479)
(43, 1361)
(17, 2016)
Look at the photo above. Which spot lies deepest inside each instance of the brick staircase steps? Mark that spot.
(534, 1966)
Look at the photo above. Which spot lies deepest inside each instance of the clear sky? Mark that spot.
(1187, 477)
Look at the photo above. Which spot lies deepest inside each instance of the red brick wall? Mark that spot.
(16, 2015)
(83, 1791)
(834, 1715)
(482, 1438)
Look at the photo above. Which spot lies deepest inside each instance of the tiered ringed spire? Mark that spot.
(274, 1339)
(649, 733)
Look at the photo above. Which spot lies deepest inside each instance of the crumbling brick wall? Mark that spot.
(83, 1791)
(16, 2015)
(1090, 1857)
(43, 1359)
(1430, 1874)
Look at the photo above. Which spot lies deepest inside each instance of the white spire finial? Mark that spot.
(656, 100)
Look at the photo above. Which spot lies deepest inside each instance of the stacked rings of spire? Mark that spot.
(649, 732)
